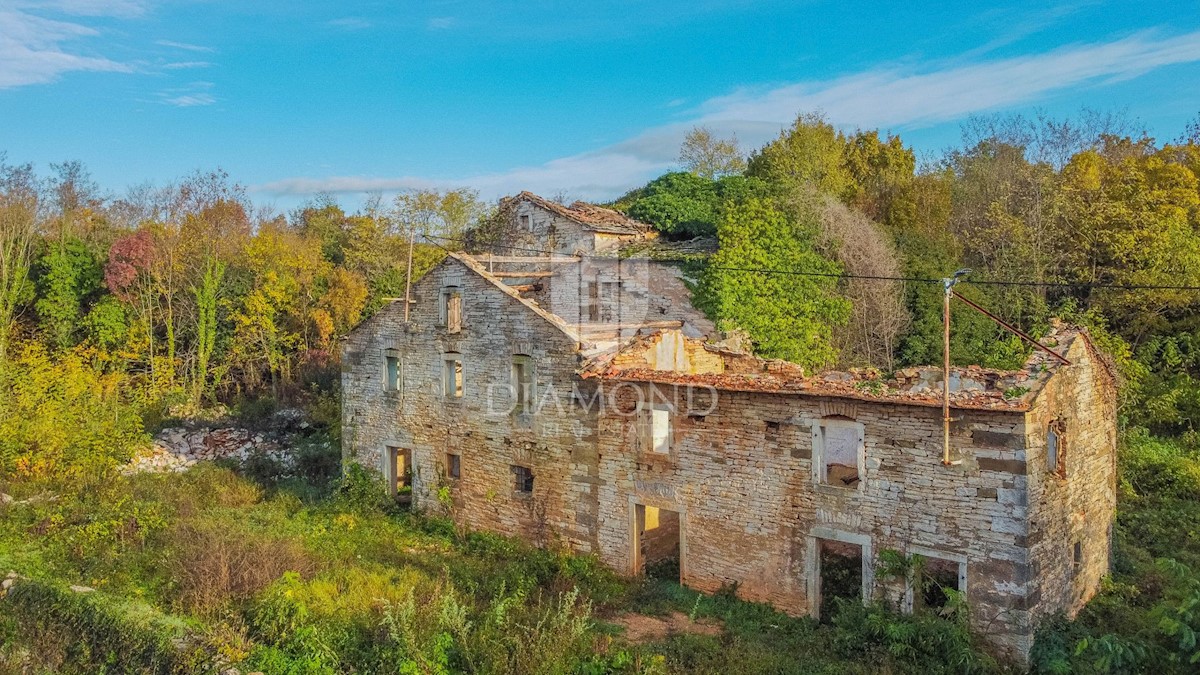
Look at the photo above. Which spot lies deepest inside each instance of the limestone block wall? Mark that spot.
(741, 477)
(1073, 507)
(553, 440)
(547, 231)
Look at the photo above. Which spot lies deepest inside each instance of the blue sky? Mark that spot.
(583, 98)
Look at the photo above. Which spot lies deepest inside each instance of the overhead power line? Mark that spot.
(865, 277)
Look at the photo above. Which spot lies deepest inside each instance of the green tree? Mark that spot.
(810, 153)
(68, 274)
(788, 316)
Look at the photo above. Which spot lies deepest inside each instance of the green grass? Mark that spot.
(201, 570)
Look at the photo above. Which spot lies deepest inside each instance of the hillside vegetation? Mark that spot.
(119, 315)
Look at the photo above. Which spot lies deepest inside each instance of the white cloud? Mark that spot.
(119, 8)
(193, 95)
(190, 100)
(888, 97)
(183, 45)
(32, 50)
(182, 65)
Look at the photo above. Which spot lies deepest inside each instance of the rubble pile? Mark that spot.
(178, 449)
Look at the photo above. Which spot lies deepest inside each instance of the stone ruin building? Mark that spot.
(567, 396)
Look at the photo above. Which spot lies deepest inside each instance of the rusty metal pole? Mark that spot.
(947, 285)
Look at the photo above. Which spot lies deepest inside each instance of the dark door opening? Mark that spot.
(657, 546)
(839, 569)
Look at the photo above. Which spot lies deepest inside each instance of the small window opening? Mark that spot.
(840, 574)
(656, 429)
(453, 465)
(839, 445)
(1077, 558)
(451, 310)
(525, 221)
(522, 478)
(392, 370)
(523, 382)
(452, 376)
(1056, 450)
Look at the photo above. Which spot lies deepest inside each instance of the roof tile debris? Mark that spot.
(971, 387)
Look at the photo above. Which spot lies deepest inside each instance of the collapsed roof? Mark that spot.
(663, 357)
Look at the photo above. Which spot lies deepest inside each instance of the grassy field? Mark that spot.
(214, 568)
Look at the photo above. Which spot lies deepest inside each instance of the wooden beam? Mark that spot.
(522, 275)
(527, 259)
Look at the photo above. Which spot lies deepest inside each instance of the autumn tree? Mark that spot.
(19, 202)
(710, 157)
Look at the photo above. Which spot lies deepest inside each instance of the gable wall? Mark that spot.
(557, 444)
(1078, 507)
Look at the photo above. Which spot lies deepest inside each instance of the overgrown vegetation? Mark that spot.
(118, 314)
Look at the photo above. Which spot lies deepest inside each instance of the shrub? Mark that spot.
(362, 490)
(214, 562)
(61, 416)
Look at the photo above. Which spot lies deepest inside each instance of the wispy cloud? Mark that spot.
(183, 65)
(183, 45)
(350, 23)
(190, 100)
(441, 23)
(894, 97)
(193, 95)
(118, 8)
(33, 49)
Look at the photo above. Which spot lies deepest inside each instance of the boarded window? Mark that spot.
(522, 478)
(452, 309)
(593, 301)
(525, 222)
(452, 376)
(838, 452)
(453, 465)
(655, 431)
(391, 370)
(1077, 558)
(523, 382)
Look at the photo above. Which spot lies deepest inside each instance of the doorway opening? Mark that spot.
(839, 574)
(658, 553)
(400, 474)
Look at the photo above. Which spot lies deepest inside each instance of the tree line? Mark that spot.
(193, 294)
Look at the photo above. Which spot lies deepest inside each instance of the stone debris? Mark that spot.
(82, 589)
(178, 449)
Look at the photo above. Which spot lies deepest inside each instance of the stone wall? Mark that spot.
(556, 441)
(741, 478)
(1074, 506)
(547, 231)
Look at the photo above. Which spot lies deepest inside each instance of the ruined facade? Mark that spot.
(617, 431)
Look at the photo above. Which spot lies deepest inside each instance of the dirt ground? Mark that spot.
(641, 628)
